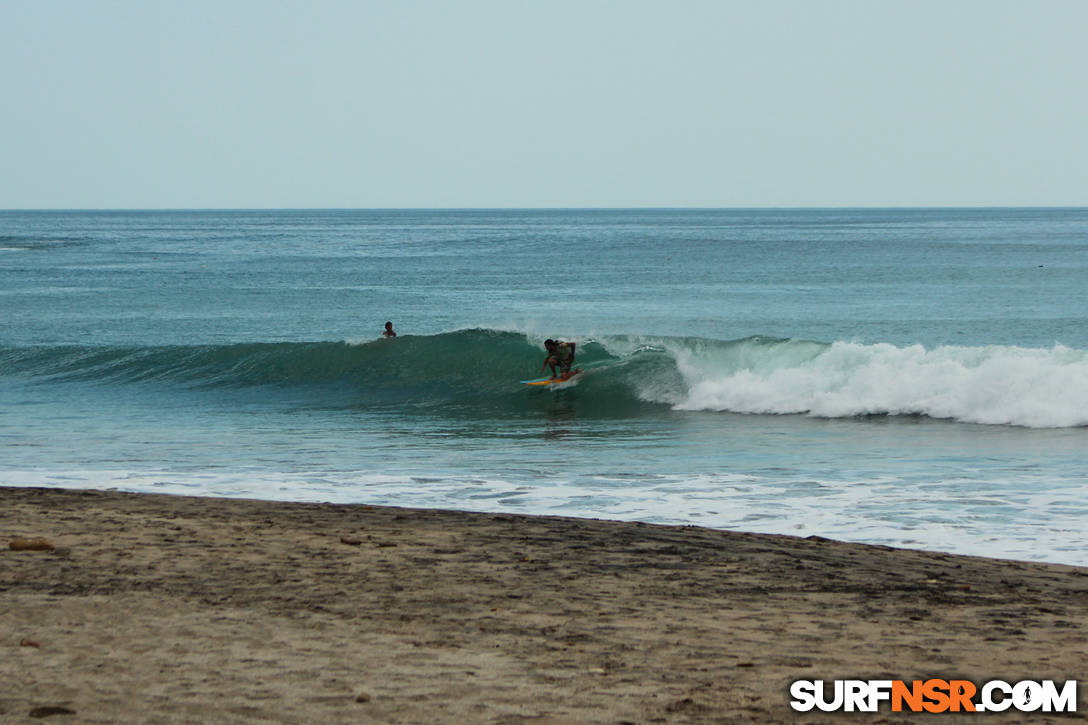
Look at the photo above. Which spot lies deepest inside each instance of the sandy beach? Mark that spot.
(170, 609)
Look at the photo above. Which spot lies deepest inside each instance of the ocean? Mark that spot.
(907, 377)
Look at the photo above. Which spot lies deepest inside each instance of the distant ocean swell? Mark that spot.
(1040, 388)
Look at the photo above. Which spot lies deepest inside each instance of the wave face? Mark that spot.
(625, 376)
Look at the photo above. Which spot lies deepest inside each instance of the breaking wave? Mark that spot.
(625, 375)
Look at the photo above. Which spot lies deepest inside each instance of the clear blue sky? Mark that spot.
(231, 103)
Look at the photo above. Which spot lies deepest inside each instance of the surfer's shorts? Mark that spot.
(563, 365)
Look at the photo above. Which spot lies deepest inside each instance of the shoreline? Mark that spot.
(155, 607)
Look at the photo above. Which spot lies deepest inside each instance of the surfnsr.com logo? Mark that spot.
(934, 695)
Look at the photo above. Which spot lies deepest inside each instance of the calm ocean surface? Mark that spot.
(906, 377)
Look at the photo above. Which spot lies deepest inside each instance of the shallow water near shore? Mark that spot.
(906, 377)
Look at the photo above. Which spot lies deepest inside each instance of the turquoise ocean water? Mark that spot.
(912, 377)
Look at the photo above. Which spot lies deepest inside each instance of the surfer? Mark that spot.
(389, 330)
(560, 354)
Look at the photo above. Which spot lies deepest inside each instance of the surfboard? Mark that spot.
(546, 382)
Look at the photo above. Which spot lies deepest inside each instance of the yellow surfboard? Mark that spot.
(545, 382)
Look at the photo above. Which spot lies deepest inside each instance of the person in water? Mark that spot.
(389, 330)
(560, 354)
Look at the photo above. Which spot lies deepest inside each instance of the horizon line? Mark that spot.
(542, 208)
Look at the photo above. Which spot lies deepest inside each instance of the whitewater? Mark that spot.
(903, 377)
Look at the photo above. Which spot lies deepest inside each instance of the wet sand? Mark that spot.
(171, 609)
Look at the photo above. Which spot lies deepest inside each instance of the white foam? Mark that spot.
(994, 385)
(1014, 518)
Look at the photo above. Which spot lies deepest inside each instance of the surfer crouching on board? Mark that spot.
(560, 354)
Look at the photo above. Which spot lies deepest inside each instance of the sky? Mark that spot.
(386, 104)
